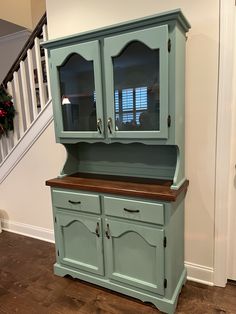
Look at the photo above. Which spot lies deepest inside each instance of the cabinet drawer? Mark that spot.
(76, 201)
(136, 210)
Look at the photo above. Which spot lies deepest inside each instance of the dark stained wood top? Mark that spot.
(126, 186)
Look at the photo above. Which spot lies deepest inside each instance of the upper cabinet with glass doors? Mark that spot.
(117, 83)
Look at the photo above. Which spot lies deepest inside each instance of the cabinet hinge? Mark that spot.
(58, 253)
(55, 219)
(169, 121)
(169, 45)
(165, 283)
(164, 242)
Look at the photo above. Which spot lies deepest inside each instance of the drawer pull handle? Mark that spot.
(97, 230)
(108, 232)
(131, 210)
(74, 203)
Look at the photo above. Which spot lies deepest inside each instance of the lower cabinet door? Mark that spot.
(80, 242)
(135, 255)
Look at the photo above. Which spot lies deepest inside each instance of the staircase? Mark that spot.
(27, 82)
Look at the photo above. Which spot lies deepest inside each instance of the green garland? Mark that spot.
(7, 112)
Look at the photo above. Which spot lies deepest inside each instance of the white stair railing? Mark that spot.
(28, 84)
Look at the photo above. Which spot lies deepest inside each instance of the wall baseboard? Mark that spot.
(28, 230)
(200, 273)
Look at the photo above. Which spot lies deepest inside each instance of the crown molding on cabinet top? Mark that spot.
(168, 17)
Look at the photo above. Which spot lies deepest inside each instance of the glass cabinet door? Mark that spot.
(136, 73)
(77, 72)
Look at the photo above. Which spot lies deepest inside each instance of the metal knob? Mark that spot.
(109, 125)
(99, 125)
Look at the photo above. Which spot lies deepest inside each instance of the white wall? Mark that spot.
(25, 201)
(23, 196)
(17, 12)
(201, 100)
(24, 12)
(10, 47)
(38, 8)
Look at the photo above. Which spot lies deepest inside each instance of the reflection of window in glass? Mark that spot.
(129, 104)
(136, 85)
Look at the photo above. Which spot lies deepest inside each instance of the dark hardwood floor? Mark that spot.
(28, 286)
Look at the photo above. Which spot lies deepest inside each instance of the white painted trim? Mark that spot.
(31, 135)
(200, 273)
(15, 36)
(231, 248)
(227, 18)
(28, 230)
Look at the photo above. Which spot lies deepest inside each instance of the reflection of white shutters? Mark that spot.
(127, 99)
(141, 98)
(117, 100)
(127, 105)
(130, 103)
(140, 101)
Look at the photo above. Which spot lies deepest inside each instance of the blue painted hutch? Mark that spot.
(118, 204)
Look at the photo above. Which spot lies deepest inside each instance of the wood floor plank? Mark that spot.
(28, 286)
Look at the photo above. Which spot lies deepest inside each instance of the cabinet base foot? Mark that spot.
(163, 304)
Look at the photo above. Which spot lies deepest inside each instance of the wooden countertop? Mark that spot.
(126, 186)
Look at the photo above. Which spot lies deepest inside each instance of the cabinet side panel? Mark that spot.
(179, 123)
(174, 251)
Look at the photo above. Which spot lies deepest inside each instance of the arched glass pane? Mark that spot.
(78, 98)
(136, 88)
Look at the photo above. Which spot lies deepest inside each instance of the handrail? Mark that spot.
(28, 45)
(27, 82)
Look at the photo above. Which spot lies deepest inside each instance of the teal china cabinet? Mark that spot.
(118, 203)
